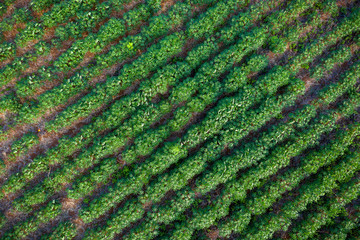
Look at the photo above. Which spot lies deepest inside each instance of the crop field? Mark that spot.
(190, 119)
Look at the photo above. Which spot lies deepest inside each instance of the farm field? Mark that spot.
(190, 119)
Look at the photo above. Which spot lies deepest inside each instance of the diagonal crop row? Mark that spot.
(168, 46)
(232, 166)
(32, 165)
(111, 86)
(325, 182)
(110, 119)
(87, 160)
(181, 179)
(46, 215)
(260, 202)
(120, 109)
(120, 52)
(108, 32)
(203, 218)
(325, 214)
(341, 230)
(196, 137)
(164, 214)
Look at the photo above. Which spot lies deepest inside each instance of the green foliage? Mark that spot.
(65, 230)
(31, 32)
(39, 5)
(63, 10)
(2, 8)
(209, 22)
(196, 131)
(46, 214)
(325, 214)
(333, 91)
(277, 44)
(9, 103)
(21, 15)
(7, 51)
(21, 146)
(156, 56)
(89, 182)
(2, 169)
(42, 48)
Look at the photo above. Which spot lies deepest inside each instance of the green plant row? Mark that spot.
(333, 91)
(220, 171)
(212, 180)
(250, 120)
(326, 213)
(143, 174)
(2, 167)
(111, 58)
(260, 203)
(340, 231)
(65, 230)
(291, 35)
(34, 31)
(339, 56)
(64, 10)
(114, 115)
(204, 218)
(164, 78)
(67, 146)
(107, 145)
(242, 126)
(21, 63)
(68, 60)
(309, 193)
(209, 93)
(236, 189)
(155, 57)
(3, 221)
(8, 104)
(77, 83)
(86, 134)
(7, 51)
(170, 214)
(22, 146)
(142, 146)
(74, 110)
(4, 5)
(84, 161)
(19, 16)
(46, 215)
(344, 28)
(41, 5)
(87, 20)
(185, 197)
(171, 151)
(179, 177)
(168, 46)
(108, 32)
(13, 70)
(182, 93)
(177, 148)
(92, 180)
(309, 165)
(211, 20)
(129, 213)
